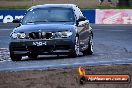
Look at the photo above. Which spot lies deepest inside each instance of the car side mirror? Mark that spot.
(81, 19)
(16, 21)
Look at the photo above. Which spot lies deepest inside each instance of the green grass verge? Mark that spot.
(109, 7)
(98, 7)
(14, 7)
(14, 0)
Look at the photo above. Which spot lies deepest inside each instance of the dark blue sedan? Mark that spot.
(51, 29)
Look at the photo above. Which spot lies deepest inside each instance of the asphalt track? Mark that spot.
(112, 45)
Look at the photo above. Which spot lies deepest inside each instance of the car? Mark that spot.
(51, 29)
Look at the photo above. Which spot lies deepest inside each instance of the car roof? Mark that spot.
(53, 6)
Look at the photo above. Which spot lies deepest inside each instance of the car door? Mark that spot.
(83, 30)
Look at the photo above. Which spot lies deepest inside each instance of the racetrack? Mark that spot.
(112, 45)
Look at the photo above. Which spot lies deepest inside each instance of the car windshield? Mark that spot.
(49, 15)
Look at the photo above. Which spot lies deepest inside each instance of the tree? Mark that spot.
(124, 3)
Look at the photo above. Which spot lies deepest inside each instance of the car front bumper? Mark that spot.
(50, 46)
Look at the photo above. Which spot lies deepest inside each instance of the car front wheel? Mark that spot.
(76, 50)
(15, 57)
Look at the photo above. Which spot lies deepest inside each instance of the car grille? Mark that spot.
(40, 35)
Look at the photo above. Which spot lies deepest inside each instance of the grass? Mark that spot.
(117, 7)
(14, 0)
(124, 7)
(13, 7)
(98, 7)
(109, 7)
(24, 4)
(89, 7)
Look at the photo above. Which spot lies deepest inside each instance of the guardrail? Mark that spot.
(97, 16)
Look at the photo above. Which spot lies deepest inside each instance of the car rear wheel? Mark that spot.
(15, 57)
(76, 50)
(89, 50)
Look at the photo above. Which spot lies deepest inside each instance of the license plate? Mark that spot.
(39, 43)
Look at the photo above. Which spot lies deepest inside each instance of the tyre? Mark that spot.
(89, 50)
(76, 50)
(32, 56)
(15, 57)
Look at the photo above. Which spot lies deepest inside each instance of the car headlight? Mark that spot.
(13, 35)
(18, 35)
(63, 34)
(21, 35)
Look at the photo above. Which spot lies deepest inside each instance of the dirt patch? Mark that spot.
(61, 78)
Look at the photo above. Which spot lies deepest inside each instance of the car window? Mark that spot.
(49, 15)
(78, 12)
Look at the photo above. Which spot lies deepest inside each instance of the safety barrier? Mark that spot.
(113, 16)
(98, 16)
